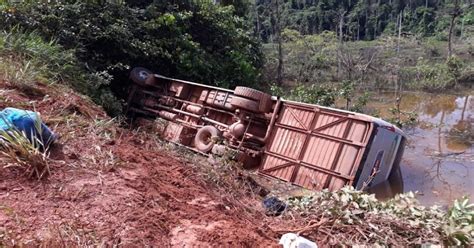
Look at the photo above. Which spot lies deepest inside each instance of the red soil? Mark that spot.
(111, 186)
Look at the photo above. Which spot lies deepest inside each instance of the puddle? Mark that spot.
(439, 158)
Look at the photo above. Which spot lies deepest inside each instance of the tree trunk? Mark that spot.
(450, 37)
(257, 24)
(280, 48)
(456, 12)
(464, 108)
(341, 24)
(400, 19)
(377, 19)
(341, 40)
(366, 23)
(358, 28)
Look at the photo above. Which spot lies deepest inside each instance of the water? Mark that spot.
(439, 159)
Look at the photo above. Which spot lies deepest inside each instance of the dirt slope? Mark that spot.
(114, 186)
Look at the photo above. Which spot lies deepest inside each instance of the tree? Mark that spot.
(455, 13)
(277, 29)
(367, 19)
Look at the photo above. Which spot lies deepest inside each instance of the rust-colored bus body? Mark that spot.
(308, 145)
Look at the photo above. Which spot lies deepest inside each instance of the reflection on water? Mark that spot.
(439, 158)
(389, 188)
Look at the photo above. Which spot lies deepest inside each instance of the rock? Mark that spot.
(292, 240)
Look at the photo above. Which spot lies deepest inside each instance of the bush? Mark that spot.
(305, 58)
(352, 217)
(429, 76)
(455, 66)
(314, 94)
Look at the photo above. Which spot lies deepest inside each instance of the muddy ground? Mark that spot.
(113, 185)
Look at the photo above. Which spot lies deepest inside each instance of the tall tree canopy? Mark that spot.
(363, 19)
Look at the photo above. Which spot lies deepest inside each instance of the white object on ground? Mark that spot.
(291, 240)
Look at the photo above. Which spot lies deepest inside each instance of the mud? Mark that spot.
(111, 186)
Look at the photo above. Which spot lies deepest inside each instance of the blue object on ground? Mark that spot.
(274, 206)
(24, 121)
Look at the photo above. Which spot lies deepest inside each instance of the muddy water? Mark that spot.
(439, 158)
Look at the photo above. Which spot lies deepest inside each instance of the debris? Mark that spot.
(292, 240)
(27, 122)
(273, 206)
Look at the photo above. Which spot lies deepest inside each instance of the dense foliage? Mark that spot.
(359, 19)
(197, 41)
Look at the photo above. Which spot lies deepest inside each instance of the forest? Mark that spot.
(360, 20)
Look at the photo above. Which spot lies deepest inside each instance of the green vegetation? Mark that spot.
(310, 94)
(352, 217)
(358, 19)
(93, 45)
(27, 59)
(319, 59)
(390, 45)
(197, 41)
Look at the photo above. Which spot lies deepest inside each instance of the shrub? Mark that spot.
(315, 94)
(455, 66)
(305, 57)
(352, 217)
(429, 76)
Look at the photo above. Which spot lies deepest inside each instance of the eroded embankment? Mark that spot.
(111, 185)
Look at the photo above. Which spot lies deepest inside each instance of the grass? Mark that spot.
(27, 59)
(30, 156)
(21, 75)
(75, 235)
(50, 60)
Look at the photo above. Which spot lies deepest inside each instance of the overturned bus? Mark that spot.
(308, 145)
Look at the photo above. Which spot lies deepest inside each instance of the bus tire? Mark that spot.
(244, 103)
(250, 93)
(265, 105)
(264, 99)
(205, 138)
(139, 75)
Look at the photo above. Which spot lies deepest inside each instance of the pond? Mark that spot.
(438, 162)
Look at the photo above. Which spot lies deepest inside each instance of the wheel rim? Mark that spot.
(143, 75)
(207, 138)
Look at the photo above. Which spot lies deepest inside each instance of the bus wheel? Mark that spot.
(264, 99)
(206, 138)
(139, 75)
(250, 93)
(244, 103)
